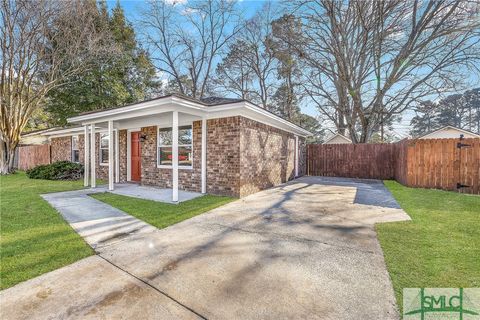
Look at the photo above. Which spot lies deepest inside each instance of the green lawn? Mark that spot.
(440, 247)
(159, 214)
(34, 237)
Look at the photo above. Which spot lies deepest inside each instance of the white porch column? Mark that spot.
(110, 155)
(93, 182)
(117, 157)
(86, 158)
(296, 156)
(204, 155)
(175, 156)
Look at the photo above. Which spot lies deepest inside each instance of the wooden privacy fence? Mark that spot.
(368, 161)
(449, 164)
(34, 155)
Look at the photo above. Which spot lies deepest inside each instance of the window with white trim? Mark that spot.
(185, 150)
(75, 149)
(104, 141)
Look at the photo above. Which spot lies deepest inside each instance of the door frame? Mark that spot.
(129, 151)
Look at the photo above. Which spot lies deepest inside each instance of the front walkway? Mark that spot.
(306, 249)
(97, 222)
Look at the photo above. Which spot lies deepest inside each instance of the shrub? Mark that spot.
(61, 170)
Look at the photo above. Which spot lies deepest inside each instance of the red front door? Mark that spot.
(136, 157)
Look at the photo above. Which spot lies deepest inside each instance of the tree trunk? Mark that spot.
(7, 157)
(365, 134)
(341, 123)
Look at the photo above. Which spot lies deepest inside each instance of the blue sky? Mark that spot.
(133, 7)
(132, 10)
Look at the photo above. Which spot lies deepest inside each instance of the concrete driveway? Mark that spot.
(306, 249)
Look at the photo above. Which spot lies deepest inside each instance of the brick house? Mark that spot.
(218, 146)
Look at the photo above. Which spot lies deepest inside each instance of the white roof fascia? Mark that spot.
(274, 117)
(335, 135)
(63, 131)
(144, 109)
(68, 132)
(277, 121)
(90, 118)
(449, 127)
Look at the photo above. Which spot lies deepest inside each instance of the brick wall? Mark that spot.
(188, 179)
(222, 159)
(61, 149)
(223, 156)
(267, 156)
(122, 144)
(243, 157)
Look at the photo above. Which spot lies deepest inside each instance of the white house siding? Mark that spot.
(448, 133)
(338, 140)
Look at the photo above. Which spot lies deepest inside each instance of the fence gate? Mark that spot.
(468, 153)
(449, 164)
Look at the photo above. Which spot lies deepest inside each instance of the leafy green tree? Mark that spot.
(234, 74)
(425, 118)
(289, 92)
(123, 76)
(311, 124)
(460, 110)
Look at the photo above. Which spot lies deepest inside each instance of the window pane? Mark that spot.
(185, 156)
(74, 142)
(165, 136)
(185, 135)
(104, 140)
(75, 156)
(104, 155)
(165, 155)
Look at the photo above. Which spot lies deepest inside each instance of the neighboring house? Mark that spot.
(218, 146)
(337, 138)
(34, 137)
(449, 132)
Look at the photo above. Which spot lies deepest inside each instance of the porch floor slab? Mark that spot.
(152, 193)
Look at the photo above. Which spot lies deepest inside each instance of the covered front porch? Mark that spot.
(171, 155)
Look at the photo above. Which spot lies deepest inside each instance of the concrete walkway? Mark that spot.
(152, 193)
(97, 222)
(306, 249)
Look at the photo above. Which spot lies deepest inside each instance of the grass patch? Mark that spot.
(34, 237)
(440, 247)
(160, 214)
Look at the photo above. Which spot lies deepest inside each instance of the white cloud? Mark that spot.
(188, 11)
(174, 2)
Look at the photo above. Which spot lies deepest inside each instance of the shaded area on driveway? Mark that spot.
(306, 249)
(369, 192)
